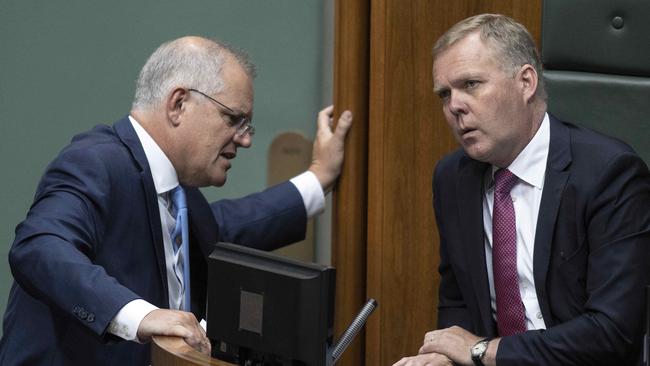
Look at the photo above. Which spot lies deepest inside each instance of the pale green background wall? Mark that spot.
(66, 66)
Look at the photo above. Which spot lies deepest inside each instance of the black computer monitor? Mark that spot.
(268, 310)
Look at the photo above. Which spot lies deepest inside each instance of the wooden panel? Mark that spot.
(351, 52)
(407, 136)
(405, 143)
(173, 351)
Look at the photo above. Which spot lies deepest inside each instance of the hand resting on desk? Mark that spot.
(174, 323)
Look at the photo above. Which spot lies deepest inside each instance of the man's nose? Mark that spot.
(457, 105)
(244, 140)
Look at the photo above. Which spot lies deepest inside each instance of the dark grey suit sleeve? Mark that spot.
(266, 220)
(51, 257)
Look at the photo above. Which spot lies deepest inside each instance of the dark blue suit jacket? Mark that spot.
(591, 258)
(92, 242)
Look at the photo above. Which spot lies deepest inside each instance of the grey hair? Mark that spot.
(511, 41)
(181, 63)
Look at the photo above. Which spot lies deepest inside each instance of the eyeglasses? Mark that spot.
(238, 121)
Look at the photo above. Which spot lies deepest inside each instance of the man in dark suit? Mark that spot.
(544, 225)
(99, 264)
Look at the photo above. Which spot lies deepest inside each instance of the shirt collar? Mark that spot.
(162, 171)
(530, 165)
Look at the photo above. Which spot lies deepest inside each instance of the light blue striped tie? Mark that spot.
(180, 240)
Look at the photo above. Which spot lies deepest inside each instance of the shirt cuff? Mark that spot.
(126, 322)
(311, 192)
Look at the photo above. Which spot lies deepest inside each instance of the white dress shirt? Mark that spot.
(530, 168)
(126, 322)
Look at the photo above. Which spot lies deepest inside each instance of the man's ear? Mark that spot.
(528, 80)
(175, 105)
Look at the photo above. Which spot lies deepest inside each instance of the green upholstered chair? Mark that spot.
(596, 55)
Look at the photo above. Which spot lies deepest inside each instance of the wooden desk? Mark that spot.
(173, 351)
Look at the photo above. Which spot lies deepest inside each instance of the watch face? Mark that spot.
(479, 349)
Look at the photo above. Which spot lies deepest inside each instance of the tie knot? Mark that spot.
(504, 180)
(178, 198)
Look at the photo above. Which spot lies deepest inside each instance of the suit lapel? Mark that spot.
(557, 173)
(203, 226)
(470, 200)
(204, 233)
(127, 134)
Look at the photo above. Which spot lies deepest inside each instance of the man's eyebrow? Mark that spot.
(236, 112)
(437, 89)
(458, 79)
(466, 76)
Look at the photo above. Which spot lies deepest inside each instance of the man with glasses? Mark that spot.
(113, 248)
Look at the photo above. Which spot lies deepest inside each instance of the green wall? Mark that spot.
(66, 66)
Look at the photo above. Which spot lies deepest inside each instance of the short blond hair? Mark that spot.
(511, 41)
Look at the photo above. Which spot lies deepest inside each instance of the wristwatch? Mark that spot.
(478, 351)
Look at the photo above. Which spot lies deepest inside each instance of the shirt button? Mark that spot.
(539, 315)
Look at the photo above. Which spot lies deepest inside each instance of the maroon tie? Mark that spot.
(511, 318)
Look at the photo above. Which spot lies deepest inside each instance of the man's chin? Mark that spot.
(207, 181)
(477, 150)
(219, 181)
